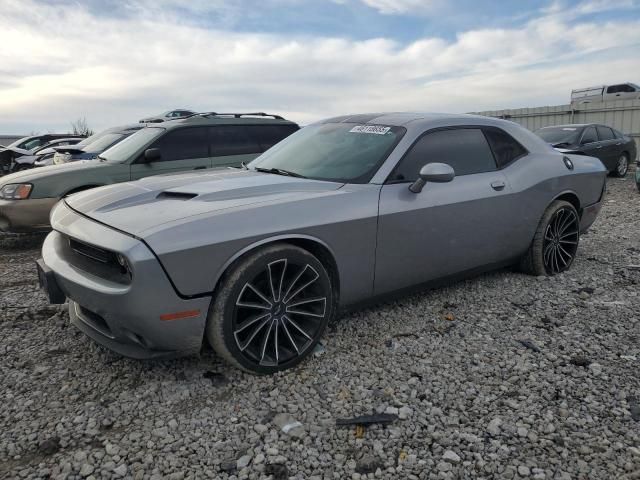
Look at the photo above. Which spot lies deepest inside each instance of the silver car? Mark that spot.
(258, 260)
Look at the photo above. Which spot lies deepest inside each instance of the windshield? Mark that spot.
(122, 151)
(104, 142)
(340, 152)
(560, 135)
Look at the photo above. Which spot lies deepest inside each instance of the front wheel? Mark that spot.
(555, 242)
(271, 309)
(622, 167)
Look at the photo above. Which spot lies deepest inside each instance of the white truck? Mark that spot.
(604, 93)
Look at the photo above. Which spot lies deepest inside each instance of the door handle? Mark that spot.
(618, 144)
(497, 185)
(599, 146)
(200, 168)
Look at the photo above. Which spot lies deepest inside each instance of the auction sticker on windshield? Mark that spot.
(375, 129)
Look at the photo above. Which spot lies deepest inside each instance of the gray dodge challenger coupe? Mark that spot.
(257, 260)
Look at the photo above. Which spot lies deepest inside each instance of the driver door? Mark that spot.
(447, 228)
(181, 149)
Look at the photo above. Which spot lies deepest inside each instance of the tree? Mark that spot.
(81, 127)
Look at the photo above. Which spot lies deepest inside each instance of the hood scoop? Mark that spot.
(169, 195)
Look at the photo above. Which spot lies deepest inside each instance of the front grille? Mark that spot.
(95, 260)
(94, 253)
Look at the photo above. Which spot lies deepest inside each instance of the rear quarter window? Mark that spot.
(225, 140)
(506, 149)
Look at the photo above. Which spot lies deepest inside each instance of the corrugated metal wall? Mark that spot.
(623, 115)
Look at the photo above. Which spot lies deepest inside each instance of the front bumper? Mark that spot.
(122, 316)
(23, 216)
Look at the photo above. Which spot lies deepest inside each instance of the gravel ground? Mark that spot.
(501, 376)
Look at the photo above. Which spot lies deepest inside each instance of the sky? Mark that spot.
(113, 62)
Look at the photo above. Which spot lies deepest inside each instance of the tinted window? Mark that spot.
(558, 136)
(617, 133)
(505, 148)
(605, 133)
(269, 135)
(343, 152)
(465, 149)
(589, 136)
(182, 144)
(232, 140)
(613, 88)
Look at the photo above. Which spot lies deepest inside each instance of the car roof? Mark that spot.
(214, 118)
(416, 119)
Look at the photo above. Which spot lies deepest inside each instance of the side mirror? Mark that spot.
(432, 172)
(151, 155)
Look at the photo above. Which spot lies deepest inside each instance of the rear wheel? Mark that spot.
(555, 242)
(271, 309)
(622, 167)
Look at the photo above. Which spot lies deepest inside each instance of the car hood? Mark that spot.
(142, 207)
(30, 176)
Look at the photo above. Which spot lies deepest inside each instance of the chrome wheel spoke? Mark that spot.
(286, 330)
(297, 327)
(275, 280)
(248, 323)
(319, 300)
(289, 296)
(240, 303)
(253, 335)
(265, 341)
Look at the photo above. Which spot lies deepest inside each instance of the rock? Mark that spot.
(243, 461)
(405, 412)
(524, 471)
(86, 470)
(494, 426)
(595, 368)
(580, 361)
(451, 457)
(120, 470)
(368, 464)
(277, 471)
(50, 446)
(289, 425)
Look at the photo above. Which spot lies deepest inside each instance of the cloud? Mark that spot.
(393, 7)
(66, 61)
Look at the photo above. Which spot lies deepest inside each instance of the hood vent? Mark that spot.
(177, 195)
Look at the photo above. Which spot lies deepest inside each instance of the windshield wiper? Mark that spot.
(101, 158)
(561, 144)
(279, 171)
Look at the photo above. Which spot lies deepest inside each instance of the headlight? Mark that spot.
(16, 191)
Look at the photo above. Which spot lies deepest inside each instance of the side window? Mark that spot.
(232, 140)
(589, 136)
(269, 135)
(614, 89)
(181, 144)
(605, 133)
(627, 88)
(617, 133)
(505, 148)
(465, 149)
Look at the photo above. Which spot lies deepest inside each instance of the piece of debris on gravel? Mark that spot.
(471, 401)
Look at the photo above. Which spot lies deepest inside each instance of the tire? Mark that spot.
(622, 166)
(555, 242)
(271, 309)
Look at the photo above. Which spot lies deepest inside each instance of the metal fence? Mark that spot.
(623, 115)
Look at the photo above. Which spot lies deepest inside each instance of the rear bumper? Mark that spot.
(23, 216)
(123, 316)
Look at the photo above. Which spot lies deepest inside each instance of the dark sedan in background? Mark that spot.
(614, 149)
